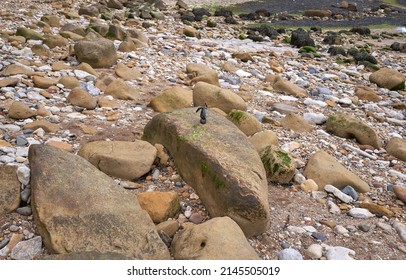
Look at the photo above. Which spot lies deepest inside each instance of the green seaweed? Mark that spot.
(218, 182)
(237, 115)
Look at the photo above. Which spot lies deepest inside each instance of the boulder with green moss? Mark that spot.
(346, 126)
(388, 78)
(246, 122)
(218, 162)
(279, 166)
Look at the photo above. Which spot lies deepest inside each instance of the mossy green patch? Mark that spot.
(401, 86)
(215, 178)
(195, 133)
(284, 157)
(237, 115)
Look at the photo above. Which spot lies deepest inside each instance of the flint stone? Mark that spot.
(217, 239)
(219, 162)
(326, 170)
(87, 211)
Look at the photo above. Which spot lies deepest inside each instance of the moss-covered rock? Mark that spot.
(246, 122)
(218, 162)
(346, 126)
(279, 166)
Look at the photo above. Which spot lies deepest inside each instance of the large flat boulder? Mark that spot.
(217, 239)
(78, 208)
(326, 170)
(219, 162)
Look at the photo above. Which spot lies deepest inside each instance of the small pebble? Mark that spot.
(319, 236)
(289, 254)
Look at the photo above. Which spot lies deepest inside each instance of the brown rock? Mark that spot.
(43, 82)
(121, 90)
(59, 65)
(216, 97)
(131, 44)
(377, 209)
(201, 73)
(170, 227)
(87, 68)
(388, 78)
(246, 122)
(53, 41)
(400, 192)
(15, 69)
(45, 125)
(243, 56)
(325, 170)
(127, 160)
(217, 239)
(173, 98)
(107, 102)
(367, 94)
(127, 73)
(99, 53)
(309, 185)
(296, 123)
(9, 189)
(262, 139)
(317, 13)
(397, 148)
(41, 51)
(61, 145)
(280, 84)
(159, 205)
(346, 126)
(6, 82)
(191, 32)
(80, 97)
(69, 82)
(19, 110)
(87, 211)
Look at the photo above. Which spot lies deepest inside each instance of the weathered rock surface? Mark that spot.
(325, 170)
(397, 148)
(246, 122)
(262, 139)
(216, 97)
(93, 255)
(159, 205)
(19, 110)
(218, 161)
(121, 90)
(217, 239)
(346, 126)
(173, 98)
(9, 189)
(388, 78)
(280, 84)
(202, 73)
(99, 53)
(80, 97)
(127, 160)
(127, 73)
(279, 166)
(296, 123)
(88, 211)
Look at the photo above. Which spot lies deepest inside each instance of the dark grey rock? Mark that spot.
(319, 236)
(348, 190)
(25, 211)
(301, 38)
(289, 254)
